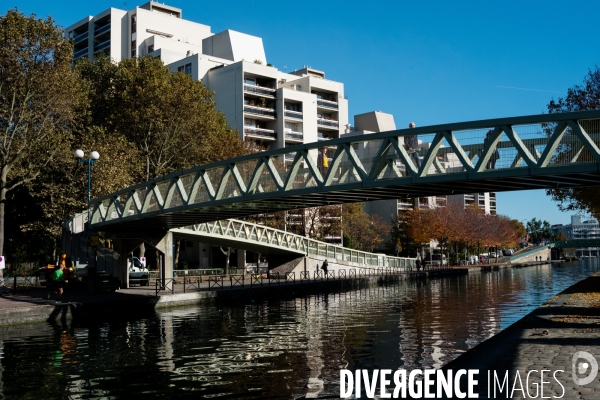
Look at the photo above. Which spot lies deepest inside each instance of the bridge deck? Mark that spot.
(521, 153)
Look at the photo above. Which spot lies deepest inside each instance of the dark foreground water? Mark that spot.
(277, 349)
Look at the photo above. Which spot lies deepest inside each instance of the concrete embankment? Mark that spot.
(33, 306)
(544, 340)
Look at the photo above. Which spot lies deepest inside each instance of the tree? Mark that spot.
(361, 230)
(41, 98)
(579, 98)
(322, 223)
(538, 230)
(168, 117)
(60, 190)
(455, 227)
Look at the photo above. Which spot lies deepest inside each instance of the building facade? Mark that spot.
(269, 108)
(377, 121)
(580, 229)
(275, 109)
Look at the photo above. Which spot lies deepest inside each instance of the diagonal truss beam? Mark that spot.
(369, 166)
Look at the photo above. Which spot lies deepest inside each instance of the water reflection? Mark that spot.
(275, 349)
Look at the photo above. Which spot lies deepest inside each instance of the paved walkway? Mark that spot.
(546, 339)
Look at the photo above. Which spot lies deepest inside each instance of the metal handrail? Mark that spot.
(260, 132)
(260, 110)
(101, 46)
(158, 286)
(328, 122)
(327, 103)
(293, 114)
(101, 30)
(80, 37)
(260, 90)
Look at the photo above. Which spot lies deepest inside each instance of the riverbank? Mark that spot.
(34, 306)
(546, 339)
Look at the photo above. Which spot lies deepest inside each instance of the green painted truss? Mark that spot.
(520, 153)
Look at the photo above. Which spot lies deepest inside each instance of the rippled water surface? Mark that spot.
(280, 349)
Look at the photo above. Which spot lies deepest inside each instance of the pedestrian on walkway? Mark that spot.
(324, 267)
(411, 143)
(58, 279)
(491, 164)
(396, 250)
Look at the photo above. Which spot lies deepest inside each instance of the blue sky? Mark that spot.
(430, 62)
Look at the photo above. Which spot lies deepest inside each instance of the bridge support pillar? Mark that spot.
(124, 247)
(241, 259)
(165, 245)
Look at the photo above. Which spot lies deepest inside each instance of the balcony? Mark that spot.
(327, 104)
(268, 133)
(260, 90)
(80, 53)
(269, 112)
(328, 122)
(293, 135)
(101, 46)
(80, 38)
(292, 114)
(101, 30)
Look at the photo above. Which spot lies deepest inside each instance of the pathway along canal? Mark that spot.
(277, 349)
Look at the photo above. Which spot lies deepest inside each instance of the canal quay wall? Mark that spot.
(546, 339)
(33, 306)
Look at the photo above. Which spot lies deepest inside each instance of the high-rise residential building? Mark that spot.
(275, 108)
(124, 34)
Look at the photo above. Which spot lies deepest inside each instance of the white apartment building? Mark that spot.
(580, 229)
(275, 108)
(124, 34)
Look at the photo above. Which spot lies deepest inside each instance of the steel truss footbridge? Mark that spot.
(519, 153)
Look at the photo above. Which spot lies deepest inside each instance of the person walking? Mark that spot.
(57, 280)
(491, 164)
(324, 267)
(323, 162)
(411, 143)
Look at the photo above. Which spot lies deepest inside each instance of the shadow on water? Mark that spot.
(546, 339)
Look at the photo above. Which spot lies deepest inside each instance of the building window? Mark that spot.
(293, 107)
(291, 127)
(133, 49)
(250, 81)
(133, 23)
(150, 48)
(188, 69)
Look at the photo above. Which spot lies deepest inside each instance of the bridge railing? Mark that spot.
(359, 167)
(235, 230)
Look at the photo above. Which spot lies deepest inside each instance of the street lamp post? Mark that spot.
(94, 156)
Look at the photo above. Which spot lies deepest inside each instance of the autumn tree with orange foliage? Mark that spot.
(454, 227)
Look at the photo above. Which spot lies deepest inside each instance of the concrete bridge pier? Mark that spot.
(123, 247)
(165, 245)
(162, 242)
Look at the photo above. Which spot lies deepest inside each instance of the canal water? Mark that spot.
(278, 349)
